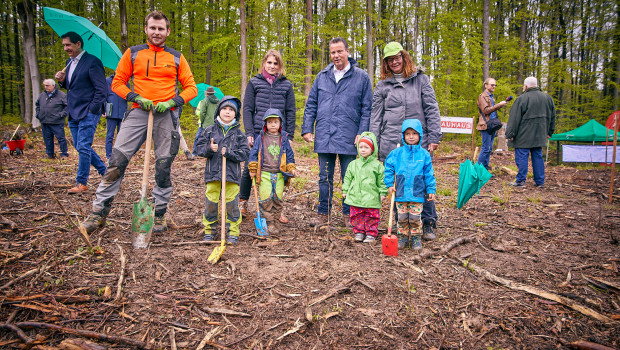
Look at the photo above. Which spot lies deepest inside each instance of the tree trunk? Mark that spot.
(244, 51)
(522, 38)
(369, 43)
(485, 40)
(17, 62)
(26, 13)
(308, 68)
(124, 38)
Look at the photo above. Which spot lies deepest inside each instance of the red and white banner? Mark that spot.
(457, 125)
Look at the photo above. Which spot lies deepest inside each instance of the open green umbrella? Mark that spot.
(202, 87)
(471, 179)
(96, 42)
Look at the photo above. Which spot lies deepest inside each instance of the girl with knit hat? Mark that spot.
(363, 189)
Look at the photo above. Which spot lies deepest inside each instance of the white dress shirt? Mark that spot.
(338, 74)
(73, 65)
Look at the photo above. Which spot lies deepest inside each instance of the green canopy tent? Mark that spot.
(592, 131)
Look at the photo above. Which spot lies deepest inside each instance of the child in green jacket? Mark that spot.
(364, 189)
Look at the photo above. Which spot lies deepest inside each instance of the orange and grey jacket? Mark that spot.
(155, 72)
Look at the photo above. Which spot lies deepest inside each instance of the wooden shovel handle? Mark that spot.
(391, 211)
(223, 201)
(256, 195)
(147, 154)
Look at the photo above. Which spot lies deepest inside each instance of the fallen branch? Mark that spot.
(346, 287)
(87, 334)
(11, 224)
(26, 339)
(121, 276)
(381, 331)
(445, 249)
(535, 291)
(224, 312)
(296, 328)
(39, 269)
(79, 227)
(585, 345)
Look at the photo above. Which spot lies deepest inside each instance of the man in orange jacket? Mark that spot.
(155, 69)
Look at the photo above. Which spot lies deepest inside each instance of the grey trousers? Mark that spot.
(128, 141)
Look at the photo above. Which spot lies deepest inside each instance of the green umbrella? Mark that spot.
(471, 179)
(96, 42)
(202, 87)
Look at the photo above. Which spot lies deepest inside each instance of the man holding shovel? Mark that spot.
(155, 69)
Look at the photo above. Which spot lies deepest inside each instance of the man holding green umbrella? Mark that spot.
(155, 69)
(205, 113)
(84, 79)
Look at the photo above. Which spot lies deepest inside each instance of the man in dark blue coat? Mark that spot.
(51, 111)
(336, 114)
(117, 106)
(84, 79)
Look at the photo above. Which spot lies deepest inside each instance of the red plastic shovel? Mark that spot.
(390, 241)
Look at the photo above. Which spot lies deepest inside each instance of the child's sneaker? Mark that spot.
(232, 239)
(416, 242)
(369, 239)
(359, 237)
(402, 241)
(208, 238)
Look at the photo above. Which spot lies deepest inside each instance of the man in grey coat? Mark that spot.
(51, 110)
(531, 123)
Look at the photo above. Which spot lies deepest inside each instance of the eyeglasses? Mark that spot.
(395, 58)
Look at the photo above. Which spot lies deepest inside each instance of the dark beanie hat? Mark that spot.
(230, 103)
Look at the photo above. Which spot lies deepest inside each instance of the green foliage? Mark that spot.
(569, 46)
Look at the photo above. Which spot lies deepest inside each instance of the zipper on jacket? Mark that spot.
(155, 60)
(148, 62)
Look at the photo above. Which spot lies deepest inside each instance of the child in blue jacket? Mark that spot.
(272, 164)
(409, 173)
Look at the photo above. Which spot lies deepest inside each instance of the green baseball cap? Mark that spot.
(391, 49)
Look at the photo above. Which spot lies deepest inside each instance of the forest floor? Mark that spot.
(307, 288)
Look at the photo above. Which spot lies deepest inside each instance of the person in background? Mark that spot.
(488, 110)
(530, 124)
(51, 110)
(115, 110)
(205, 113)
(268, 89)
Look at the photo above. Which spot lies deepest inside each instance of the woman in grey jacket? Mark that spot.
(405, 92)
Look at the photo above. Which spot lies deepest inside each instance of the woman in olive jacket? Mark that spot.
(268, 89)
(405, 92)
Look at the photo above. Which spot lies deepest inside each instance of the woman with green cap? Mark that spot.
(405, 92)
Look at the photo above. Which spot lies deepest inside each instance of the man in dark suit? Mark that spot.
(84, 79)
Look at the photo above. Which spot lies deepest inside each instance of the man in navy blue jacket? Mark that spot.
(84, 80)
(114, 115)
(336, 114)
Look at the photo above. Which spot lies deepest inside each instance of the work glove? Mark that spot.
(164, 106)
(144, 103)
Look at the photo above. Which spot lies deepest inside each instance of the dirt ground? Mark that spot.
(307, 288)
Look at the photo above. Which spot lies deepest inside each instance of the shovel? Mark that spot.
(143, 211)
(389, 242)
(260, 223)
(218, 251)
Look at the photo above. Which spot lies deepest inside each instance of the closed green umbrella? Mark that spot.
(471, 179)
(202, 87)
(96, 42)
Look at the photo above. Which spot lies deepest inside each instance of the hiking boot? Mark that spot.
(369, 239)
(540, 186)
(359, 237)
(243, 207)
(159, 224)
(427, 231)
(208, 238)
(402, 241)
(416, 242)
(93, 222)
(319, 220)
(189, 155)
(517, 184)
(232, 240)
(79, 188)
